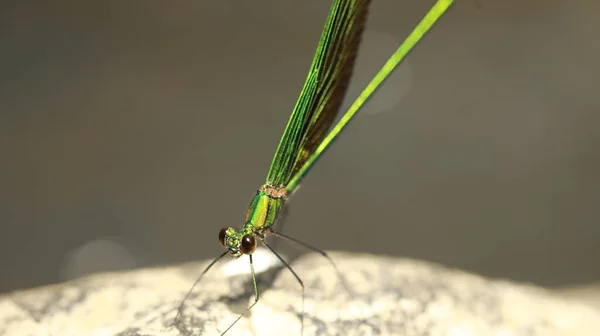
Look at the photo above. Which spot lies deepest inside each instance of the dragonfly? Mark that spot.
(310, 131)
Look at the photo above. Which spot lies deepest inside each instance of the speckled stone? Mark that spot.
(387, 296)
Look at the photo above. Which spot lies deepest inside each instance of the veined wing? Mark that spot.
(323, 91)
(415, 36)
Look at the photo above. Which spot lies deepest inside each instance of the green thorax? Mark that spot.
(264, 208)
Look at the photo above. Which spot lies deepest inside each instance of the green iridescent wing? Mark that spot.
(323, 91)
(306, 135)
(415, 36)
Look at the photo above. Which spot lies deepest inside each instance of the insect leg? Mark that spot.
(255, 296)
(281, 219)
(319, 251)
(297, 278)
(180, 309)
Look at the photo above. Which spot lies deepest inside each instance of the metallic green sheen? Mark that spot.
(309, 131)
(262, 212)
(305, 138)
(261, 215)
(415, 36)
(323, 91)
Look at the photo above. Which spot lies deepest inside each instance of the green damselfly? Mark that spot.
(311, 130)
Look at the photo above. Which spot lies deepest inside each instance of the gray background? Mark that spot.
(131, 132)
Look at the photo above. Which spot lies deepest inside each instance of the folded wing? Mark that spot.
(323, 91)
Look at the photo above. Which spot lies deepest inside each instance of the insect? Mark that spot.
(310, 130)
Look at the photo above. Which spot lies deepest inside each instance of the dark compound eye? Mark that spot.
(248, 244)
(222, 236)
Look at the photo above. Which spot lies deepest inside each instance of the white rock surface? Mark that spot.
(390, 296)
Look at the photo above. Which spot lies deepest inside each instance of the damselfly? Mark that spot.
(311, 130)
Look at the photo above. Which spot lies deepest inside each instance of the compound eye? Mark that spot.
(223, 236)
(248, 244)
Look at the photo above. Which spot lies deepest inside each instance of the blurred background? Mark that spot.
(131, 132)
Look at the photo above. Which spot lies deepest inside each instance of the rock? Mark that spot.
(387, 296)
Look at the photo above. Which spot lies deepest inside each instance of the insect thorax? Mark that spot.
(264, 207)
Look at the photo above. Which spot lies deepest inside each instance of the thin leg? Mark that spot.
(319, 251)
(255, 296)
(283, 215)
(180, 309)
(297, 278)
